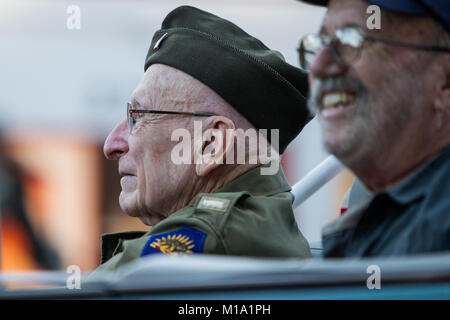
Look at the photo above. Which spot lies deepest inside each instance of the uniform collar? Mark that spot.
(111, 242)
(257, 184)
(418, 183)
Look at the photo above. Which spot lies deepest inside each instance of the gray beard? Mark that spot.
(359, 131)
(367, 136)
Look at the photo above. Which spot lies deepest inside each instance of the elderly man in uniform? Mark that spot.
(203, 68)
(382, 97)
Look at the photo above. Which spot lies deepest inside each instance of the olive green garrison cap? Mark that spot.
(255, 80)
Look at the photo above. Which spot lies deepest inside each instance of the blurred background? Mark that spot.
(63, 90)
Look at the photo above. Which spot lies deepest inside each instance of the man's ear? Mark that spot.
(217, 142)
(442, 82)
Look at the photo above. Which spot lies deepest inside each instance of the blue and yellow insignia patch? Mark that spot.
(181, 241)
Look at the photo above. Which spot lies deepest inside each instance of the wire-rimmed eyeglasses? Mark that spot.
(132, 114)
(346, 45)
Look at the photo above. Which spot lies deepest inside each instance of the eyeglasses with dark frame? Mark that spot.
(131, 120)
(346, 45)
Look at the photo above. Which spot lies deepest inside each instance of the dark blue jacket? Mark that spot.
(412, 217)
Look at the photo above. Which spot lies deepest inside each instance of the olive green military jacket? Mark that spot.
(250, 216)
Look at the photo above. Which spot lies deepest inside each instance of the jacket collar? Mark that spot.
(111, 242)
(418, 183)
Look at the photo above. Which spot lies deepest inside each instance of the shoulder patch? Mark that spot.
(213, 203)
(177, 242)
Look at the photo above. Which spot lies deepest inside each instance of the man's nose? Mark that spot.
(116, 144)
(326, 65)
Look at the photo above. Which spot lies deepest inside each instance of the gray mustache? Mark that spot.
(335, 84)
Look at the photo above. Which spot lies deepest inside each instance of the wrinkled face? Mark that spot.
(366, 106)
(150, 181)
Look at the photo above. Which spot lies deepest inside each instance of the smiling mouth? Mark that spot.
(332, 100)
(335, 103)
